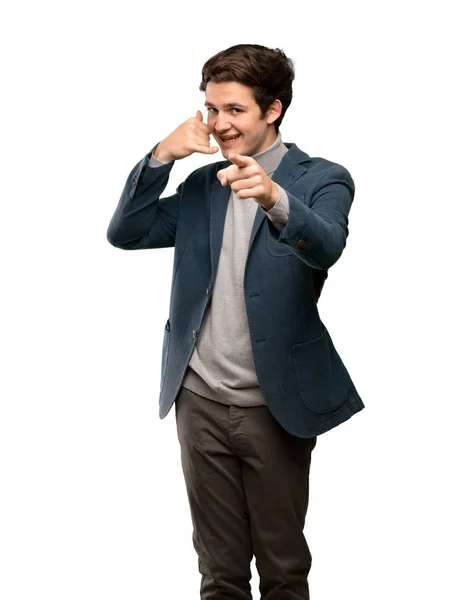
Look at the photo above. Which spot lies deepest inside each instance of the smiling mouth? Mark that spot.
(229, 139)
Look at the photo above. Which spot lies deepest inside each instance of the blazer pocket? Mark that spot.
(323, 381)
(165, 351)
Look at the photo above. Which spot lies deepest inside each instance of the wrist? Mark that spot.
(162, 155)
(273, 198)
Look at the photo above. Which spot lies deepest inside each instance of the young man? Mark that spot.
(247, 360)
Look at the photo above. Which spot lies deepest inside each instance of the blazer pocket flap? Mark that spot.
(323, 381)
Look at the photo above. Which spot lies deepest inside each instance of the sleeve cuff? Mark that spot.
(279, 213)
(154, 162)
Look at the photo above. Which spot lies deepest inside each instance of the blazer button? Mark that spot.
(301, 244)
(194, 334)
(207, 291)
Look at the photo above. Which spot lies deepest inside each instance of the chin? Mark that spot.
(227, 151)
(238, 150)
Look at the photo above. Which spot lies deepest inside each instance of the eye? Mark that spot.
(211, 109)
(236, 110)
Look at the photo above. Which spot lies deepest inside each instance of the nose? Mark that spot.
(222, 125)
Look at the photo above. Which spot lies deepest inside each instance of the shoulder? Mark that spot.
(323, 166)
(317, 167)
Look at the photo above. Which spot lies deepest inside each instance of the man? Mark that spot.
(246, 359)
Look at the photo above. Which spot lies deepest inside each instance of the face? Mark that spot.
(235, 119)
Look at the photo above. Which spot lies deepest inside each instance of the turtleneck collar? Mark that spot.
(270, 158)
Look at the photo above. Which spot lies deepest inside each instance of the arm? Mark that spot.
(322, 227)
(142, 219)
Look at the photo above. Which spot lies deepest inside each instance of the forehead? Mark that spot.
(228, 92)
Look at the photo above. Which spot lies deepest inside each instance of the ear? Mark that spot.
(273, 112)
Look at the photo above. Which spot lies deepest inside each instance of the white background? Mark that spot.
(93, 501)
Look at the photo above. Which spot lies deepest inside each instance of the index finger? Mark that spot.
(240, 160)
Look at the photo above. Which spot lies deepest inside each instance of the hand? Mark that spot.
(249, 180)
(189, 137)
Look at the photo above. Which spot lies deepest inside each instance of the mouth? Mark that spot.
(229, 140)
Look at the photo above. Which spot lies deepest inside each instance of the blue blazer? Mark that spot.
(301, 376)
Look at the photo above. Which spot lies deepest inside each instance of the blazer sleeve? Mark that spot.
(142, 218)
(316, 230)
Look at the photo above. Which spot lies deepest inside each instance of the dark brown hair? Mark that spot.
(268, 72)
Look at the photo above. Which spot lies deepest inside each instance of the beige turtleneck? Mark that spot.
(221, 366)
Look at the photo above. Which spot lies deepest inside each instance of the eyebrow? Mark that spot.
(227, 105)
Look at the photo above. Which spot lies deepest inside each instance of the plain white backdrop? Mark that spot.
(93, 501)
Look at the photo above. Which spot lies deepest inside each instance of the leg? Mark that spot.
(213, 476)
(276, 481)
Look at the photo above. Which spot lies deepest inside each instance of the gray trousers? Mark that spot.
(247, 482)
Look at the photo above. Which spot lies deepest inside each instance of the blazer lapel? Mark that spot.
(286, 174)
(218, 205)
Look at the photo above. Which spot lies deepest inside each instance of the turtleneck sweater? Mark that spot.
(221, 367)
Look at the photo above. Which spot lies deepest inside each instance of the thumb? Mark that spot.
(221, 176)
(199, 116)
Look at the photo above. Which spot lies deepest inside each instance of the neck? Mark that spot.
(270, 158)
(271, 138)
